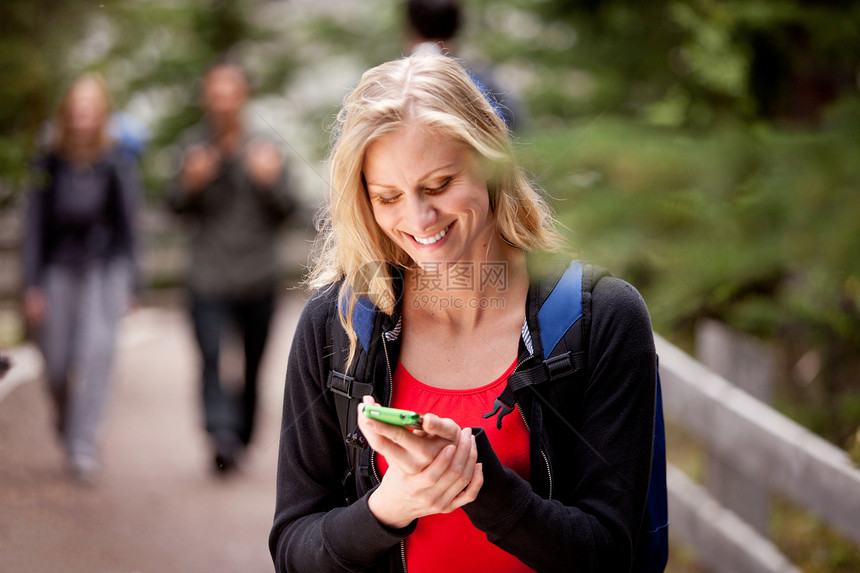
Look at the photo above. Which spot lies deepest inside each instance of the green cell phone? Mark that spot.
(394, 416)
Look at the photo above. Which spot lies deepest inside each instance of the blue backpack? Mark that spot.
(561, 350)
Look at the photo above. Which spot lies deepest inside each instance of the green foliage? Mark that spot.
(809, 543)
(30, 44)
(753, 226)
(680, 63)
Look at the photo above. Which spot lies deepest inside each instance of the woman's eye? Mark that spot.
(386, 200)
(440, 188)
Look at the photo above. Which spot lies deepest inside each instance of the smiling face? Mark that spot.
(429, 196)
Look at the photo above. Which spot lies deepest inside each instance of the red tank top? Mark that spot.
(449, 542)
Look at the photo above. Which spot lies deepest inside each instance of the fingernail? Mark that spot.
(449, 451)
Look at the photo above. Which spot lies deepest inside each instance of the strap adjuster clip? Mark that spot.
(340, 383)
(559, 366)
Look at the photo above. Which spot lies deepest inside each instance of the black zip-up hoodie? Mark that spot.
(584, 506)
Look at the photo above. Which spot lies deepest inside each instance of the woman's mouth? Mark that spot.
(430, 240)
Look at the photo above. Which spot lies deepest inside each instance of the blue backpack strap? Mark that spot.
(559, 311)
(362, 320)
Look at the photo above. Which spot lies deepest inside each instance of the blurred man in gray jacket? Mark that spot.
(233, 187)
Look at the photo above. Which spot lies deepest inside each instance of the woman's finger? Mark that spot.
(470, 494)
(459, 473)
(400, 447)
(444, 428)
(446, 484)
(443, 471)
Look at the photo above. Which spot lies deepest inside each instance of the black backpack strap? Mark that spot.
(545, 371)
(548, 370)
(346, 388)
(347, 394)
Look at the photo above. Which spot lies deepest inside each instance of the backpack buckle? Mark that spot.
(356, 440)
(559, 366)
(501, 408)
(340, 383)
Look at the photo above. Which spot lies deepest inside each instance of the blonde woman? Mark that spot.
(423, 262)
(79, 264)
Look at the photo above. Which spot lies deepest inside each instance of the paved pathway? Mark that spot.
(158, 507)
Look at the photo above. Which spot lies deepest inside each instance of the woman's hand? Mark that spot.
(433, 470)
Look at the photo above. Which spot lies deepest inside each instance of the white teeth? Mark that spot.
(434, 238)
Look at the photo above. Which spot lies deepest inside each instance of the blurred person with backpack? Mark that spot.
(79, 260)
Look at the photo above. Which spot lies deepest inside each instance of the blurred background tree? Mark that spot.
(705, 150)
(30, 51)
(702, 149)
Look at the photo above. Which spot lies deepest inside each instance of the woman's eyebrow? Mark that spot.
(436, 170)
(424, 177)
(379, 185)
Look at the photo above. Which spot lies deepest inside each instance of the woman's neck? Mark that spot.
(82, 152)
(469, 292)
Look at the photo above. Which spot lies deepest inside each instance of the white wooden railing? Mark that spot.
(762, 446)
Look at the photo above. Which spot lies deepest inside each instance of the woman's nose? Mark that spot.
(421, 213)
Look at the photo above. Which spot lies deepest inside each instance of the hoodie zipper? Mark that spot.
(373, 456)
(390, 393)
(528, 427)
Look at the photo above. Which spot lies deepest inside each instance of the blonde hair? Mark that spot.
(436, 92)
(63, 143)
